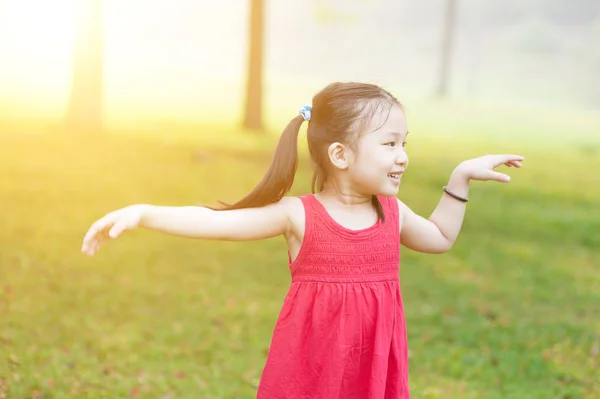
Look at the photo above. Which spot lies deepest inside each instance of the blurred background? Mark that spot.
(105, 103)
(188, 63)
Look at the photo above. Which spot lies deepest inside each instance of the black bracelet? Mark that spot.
(455, 196)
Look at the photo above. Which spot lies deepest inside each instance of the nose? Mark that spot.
(402, 158)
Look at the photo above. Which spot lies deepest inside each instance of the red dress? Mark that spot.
(341, 332)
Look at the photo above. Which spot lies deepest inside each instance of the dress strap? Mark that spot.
(391, 210)
(309, 221)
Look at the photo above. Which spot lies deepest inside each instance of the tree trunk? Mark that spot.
(85, 110)
(447, 47)
(254, 89)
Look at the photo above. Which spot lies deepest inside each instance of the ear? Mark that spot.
(339, 155)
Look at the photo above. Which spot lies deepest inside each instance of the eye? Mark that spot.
(404, 144)
(391, 143)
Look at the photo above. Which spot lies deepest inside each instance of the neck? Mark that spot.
(344, 195)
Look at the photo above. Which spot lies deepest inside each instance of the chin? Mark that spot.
(389, 192)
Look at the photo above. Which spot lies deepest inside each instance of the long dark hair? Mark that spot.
(339, 112)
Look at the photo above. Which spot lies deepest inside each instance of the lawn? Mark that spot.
(512, 311)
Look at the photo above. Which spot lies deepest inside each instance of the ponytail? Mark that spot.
(279, 178)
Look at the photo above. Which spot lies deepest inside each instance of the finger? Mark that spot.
(500, 177)
(91, 250)
(97, 227)
(90, 244)
(90, 236)
(90, 247)
(97, 245)
(117, 229)
(92, 231)
(99, 242)
(506, 158)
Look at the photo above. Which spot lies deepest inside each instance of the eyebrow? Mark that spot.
(398, 134)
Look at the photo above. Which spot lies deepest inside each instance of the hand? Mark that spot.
(482, 168)
(111, 226)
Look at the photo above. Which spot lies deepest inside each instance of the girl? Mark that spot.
(341, 332)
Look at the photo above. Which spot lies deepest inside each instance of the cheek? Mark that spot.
(370, 167)
(387, 155)
(376, 158)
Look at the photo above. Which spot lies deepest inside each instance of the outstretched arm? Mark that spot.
(438, 233)
(192, 221)
(232, 225)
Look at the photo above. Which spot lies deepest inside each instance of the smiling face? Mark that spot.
(380, 159)
(356, 140)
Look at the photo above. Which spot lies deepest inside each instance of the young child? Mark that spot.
(342, 331)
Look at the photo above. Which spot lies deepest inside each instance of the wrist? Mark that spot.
(461, 173)
(142, 211)
(459, 182)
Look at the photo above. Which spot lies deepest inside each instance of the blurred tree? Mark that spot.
(254, 90)
(85, 110)
(448, 32)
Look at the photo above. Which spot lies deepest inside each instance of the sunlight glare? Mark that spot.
(162, 59)
(36, 46)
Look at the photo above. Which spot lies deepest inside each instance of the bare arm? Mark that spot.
(438, 233)
(194, 222)
(233, 225)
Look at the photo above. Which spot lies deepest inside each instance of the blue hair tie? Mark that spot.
(305, 112)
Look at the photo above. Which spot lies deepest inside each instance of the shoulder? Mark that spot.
(393, 207)
(406, 214)
(403, 210)
(393, 204)
(293, 207)
(401, 205)
(291, 204)
(295, 212)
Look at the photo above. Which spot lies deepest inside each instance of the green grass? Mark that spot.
(512, 311)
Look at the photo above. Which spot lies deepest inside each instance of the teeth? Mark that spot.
(395, 175)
